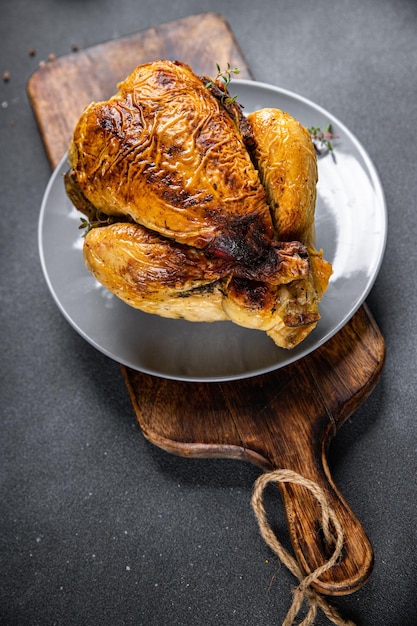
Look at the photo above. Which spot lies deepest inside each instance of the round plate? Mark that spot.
(351, 229)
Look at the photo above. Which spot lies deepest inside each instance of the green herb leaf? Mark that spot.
(225, 76)
(322, 140)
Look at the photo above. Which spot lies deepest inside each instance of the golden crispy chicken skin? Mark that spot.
(197, 212)
(165, 153)
(158, 275)
(287, 164)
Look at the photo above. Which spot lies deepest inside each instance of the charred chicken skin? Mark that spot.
(202, 213)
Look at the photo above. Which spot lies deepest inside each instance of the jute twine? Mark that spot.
(303, 593)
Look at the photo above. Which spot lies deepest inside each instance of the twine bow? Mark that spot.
(303, 592)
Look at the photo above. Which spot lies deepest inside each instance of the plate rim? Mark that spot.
(382, 212)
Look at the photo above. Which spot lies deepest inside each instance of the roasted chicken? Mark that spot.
(196, 211)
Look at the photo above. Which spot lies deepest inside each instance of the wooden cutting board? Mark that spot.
(285, 419)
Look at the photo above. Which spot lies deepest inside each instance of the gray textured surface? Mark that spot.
(96, 525)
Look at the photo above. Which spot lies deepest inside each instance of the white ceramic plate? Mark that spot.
(351, 228)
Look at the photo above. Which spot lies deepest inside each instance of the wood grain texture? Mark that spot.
(284, 419)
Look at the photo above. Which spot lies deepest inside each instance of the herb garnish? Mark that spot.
(322, 139)
(225, 76)
(100, 220)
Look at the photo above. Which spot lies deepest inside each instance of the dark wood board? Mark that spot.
(284, 419)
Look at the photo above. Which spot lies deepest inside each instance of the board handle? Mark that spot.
(304, 514)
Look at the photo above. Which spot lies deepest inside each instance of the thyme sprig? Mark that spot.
(224, 76)
(100, 220)
(322, 139)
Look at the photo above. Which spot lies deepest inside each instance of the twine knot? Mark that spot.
(303, 592)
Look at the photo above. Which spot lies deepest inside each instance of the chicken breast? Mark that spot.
(164, 152)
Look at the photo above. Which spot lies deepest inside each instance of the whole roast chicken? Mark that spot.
(196, 211)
